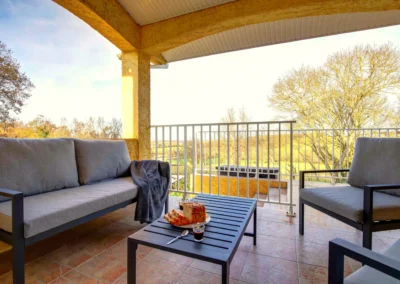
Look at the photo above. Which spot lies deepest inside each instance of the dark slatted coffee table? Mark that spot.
(229, 219)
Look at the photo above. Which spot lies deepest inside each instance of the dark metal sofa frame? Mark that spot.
(18, 240)
(339, 248)
(368, 226)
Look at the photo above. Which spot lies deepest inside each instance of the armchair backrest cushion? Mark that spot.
(99, 160)
(376, 161)
(34, 166)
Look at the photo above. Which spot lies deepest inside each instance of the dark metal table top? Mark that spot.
(229, 219)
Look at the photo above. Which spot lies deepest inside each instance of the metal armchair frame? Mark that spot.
(368, 226)
(339, 248)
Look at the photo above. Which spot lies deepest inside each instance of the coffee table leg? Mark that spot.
(255, 227)
(132, 247)
(225, 273)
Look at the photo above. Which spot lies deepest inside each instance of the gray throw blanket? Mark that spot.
(152, 178)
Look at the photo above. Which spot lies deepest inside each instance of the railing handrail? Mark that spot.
(342, 129)
(226, 123)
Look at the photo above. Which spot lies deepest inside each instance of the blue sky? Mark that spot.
(77, 73)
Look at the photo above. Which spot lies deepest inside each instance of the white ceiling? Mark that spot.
(146, 12)
(279, 32)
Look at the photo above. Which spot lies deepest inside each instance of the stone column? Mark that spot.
(136, 101)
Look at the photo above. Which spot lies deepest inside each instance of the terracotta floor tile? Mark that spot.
(266, 269)
(321, 235)
(272, 263)
(43, 270)
(276, 229)
(240, 257)
(74, 277)
(312, 253)
(245, 244)
(317, 254)
(92, 244)
(236, 269)
(206, 266)
(277, 216)
(216, 279)
(254, 275)
(104, 267)
(185, 279)
(122, 280)
(312, 274)
(144, 279)
(275, 247)
(130, 220)
(187, 261)
(198, 274)
(324, 221)
(278, 277)
(120, 253)
(70, 256)
(4, 247)
(160, 268)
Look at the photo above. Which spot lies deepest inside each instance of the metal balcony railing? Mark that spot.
(253, 160)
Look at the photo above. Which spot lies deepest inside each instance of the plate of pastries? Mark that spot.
(191, 213)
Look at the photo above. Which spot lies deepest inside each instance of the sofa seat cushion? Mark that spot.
(34, 166)
(368, 275)
(99, 160)
(347, 201)
(45, 211)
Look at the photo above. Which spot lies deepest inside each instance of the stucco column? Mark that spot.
(136, 100)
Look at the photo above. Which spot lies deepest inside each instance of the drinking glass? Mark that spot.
(198, 232)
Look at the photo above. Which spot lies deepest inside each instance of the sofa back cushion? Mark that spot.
(34, 166)
(99, 160)
(376, 161)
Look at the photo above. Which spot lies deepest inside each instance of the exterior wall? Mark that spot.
(263, 188)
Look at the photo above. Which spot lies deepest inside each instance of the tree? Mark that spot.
(349, 91)
(15, 86)
(42, 127)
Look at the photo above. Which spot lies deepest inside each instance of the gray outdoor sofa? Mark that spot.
(371, 202)
(50, 185)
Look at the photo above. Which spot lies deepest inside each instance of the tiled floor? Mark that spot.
(281, 255)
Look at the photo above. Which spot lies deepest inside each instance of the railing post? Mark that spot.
(185, 155)
(290, 212)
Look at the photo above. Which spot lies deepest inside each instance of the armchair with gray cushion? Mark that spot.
(378, 268)
(371, 202)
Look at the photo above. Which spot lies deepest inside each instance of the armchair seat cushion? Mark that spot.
(45, 211)
(347, 201)
(368, 275)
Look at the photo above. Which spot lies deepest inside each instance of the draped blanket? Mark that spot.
(152, 178)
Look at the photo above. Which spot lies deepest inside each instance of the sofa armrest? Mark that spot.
(9, 193)
(339, 248)
(303, 173)
(17, 212)
(369, 199)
